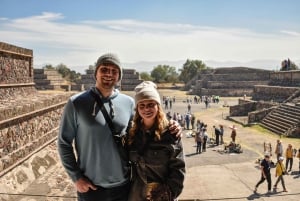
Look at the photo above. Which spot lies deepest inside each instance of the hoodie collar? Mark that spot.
(112, 96)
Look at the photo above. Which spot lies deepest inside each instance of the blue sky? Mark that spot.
(75, 33)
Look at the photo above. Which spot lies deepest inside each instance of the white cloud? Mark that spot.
(54, 41)
(291, 33)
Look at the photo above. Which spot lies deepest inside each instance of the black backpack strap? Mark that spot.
(104, 112)
(118, 138)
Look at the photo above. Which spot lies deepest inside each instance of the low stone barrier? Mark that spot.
(27, 125)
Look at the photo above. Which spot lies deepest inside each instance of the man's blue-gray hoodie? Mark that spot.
(95, 154)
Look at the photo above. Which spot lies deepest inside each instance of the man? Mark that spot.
(217, 134)
(99, 169)
(265, 173)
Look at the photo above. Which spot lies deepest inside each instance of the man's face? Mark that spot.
(107, 76)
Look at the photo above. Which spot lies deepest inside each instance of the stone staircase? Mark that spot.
(229, 81)
(48, 79)
(282, 119)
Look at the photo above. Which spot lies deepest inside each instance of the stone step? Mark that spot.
(288, 111)
(280, 121)
(286, 114)
(289, 107)
(285, 118)
(277, 123)
(272, 128)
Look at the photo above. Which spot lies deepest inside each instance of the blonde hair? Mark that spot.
(161, 122)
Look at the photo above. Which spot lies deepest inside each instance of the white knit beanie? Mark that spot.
(147, 90)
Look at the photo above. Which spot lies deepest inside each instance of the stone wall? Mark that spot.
(130, 79)
(87, 80)
(272, 93)
(285, 78)
(235, 81)
(234, 84)
(27, 126)
(29, 120)
(225, 92)
(15, 64)
(16, 72)
(255, 110)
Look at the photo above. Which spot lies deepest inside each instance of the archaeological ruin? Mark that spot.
(28, 119)
(275, 96)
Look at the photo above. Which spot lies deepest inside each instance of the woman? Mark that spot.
(280, 171)
(156, 156)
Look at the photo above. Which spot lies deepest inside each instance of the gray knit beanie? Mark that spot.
(109, 58)
(147, 90)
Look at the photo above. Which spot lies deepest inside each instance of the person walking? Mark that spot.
(280, 171)
(93, 126)
(265, 173)
(156, 155)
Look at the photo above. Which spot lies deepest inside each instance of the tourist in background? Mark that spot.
(279, 172)
(298, 156)
(205, 137)
(233, 133)
(156, 155)
(217, 135)
(278, 149)
(199, 140)
(289, 154)
(221, 134)
(265, 173)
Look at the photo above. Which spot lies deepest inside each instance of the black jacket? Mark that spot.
(156, 161)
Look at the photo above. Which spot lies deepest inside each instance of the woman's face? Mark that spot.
(147, 109)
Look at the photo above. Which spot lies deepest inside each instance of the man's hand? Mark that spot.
(175, 128)
(83, 185)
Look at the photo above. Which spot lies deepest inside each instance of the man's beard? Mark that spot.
(108, 84)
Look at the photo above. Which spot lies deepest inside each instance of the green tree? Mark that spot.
(67, 73)
(63, 70)
(294, 66)
(190, 69)
(164, 73)
(146, 76)
(48, 66)
(172, 75)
